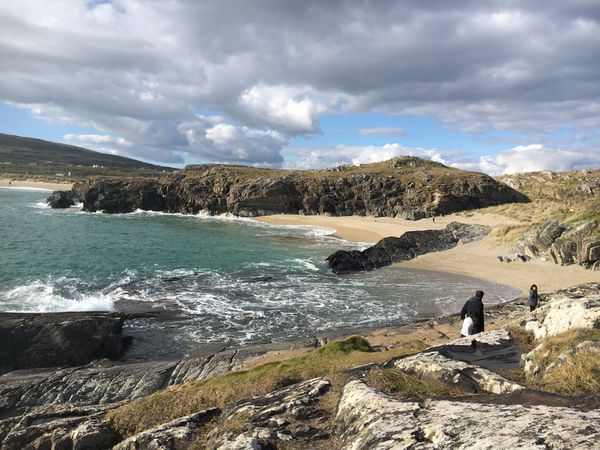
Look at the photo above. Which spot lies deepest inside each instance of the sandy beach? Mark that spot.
(30, 184)
(478, 259)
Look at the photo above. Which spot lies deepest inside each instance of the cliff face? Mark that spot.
(407, 187)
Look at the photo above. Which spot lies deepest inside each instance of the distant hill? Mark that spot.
(22, 155)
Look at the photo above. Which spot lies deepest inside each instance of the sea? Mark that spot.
(196, 281)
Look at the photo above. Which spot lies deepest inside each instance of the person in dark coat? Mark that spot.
(474, 308)
(534, 298)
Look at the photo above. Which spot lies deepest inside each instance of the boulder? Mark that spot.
(590, 249)
(548, 232)
(61, 199)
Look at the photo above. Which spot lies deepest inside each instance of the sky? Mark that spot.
(498, 86)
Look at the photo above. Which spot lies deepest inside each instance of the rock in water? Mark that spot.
(61, 199)
(411, 244)
(58, 340)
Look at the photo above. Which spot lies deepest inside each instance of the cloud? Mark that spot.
(305, 158)
(141, 70)
(381, 131)
(95, 139)
(533, 158)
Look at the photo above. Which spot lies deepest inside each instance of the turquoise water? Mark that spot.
(222, 280)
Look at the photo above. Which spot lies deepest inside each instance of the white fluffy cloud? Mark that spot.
(532, 158)
(305, 158)
(142, 70)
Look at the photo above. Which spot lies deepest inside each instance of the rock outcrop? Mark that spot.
(566, 309)
(563, 244)
(59, 340)
(411, 244)
(406, 187)
(62, 199)
(370, 419)
(170, 435)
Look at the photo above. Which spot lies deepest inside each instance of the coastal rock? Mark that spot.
(64, 427)
(564, 245)
(61, 199)
(121, 195)
(472, 378)
(95, 384)
(281, 415)
(59, 339)
(411, 244)
(169, 436)
(407, 187)
(567, 249)
(566, 309)
(369, 419)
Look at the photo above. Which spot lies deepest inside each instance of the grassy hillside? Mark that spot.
(36, 158)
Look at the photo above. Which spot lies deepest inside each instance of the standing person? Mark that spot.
(534, 298)
(474, 308)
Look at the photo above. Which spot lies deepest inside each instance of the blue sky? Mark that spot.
(498, 86)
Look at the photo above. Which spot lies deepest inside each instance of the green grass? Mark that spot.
(329, 361)
(400, 385)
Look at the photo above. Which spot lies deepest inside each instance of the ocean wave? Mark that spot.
(48, 296)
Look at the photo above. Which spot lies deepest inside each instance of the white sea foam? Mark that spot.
(41, 205)
(42, 296)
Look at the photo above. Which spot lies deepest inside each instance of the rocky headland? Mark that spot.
(414, 386)
(406, 187)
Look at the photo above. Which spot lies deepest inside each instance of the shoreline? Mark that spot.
(32, 185)
(477, 260)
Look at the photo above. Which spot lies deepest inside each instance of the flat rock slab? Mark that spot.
(472, 378)
(370, 419)
(493, 350)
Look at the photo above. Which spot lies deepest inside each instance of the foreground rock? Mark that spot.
(411, 244)
(59, 340)
(284, 415)
(406, 187)
(171, 435)
(370, 419)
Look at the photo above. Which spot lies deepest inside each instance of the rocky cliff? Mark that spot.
(408, 187)
(463, 393)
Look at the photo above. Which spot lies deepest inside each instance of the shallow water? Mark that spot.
(216, 280)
